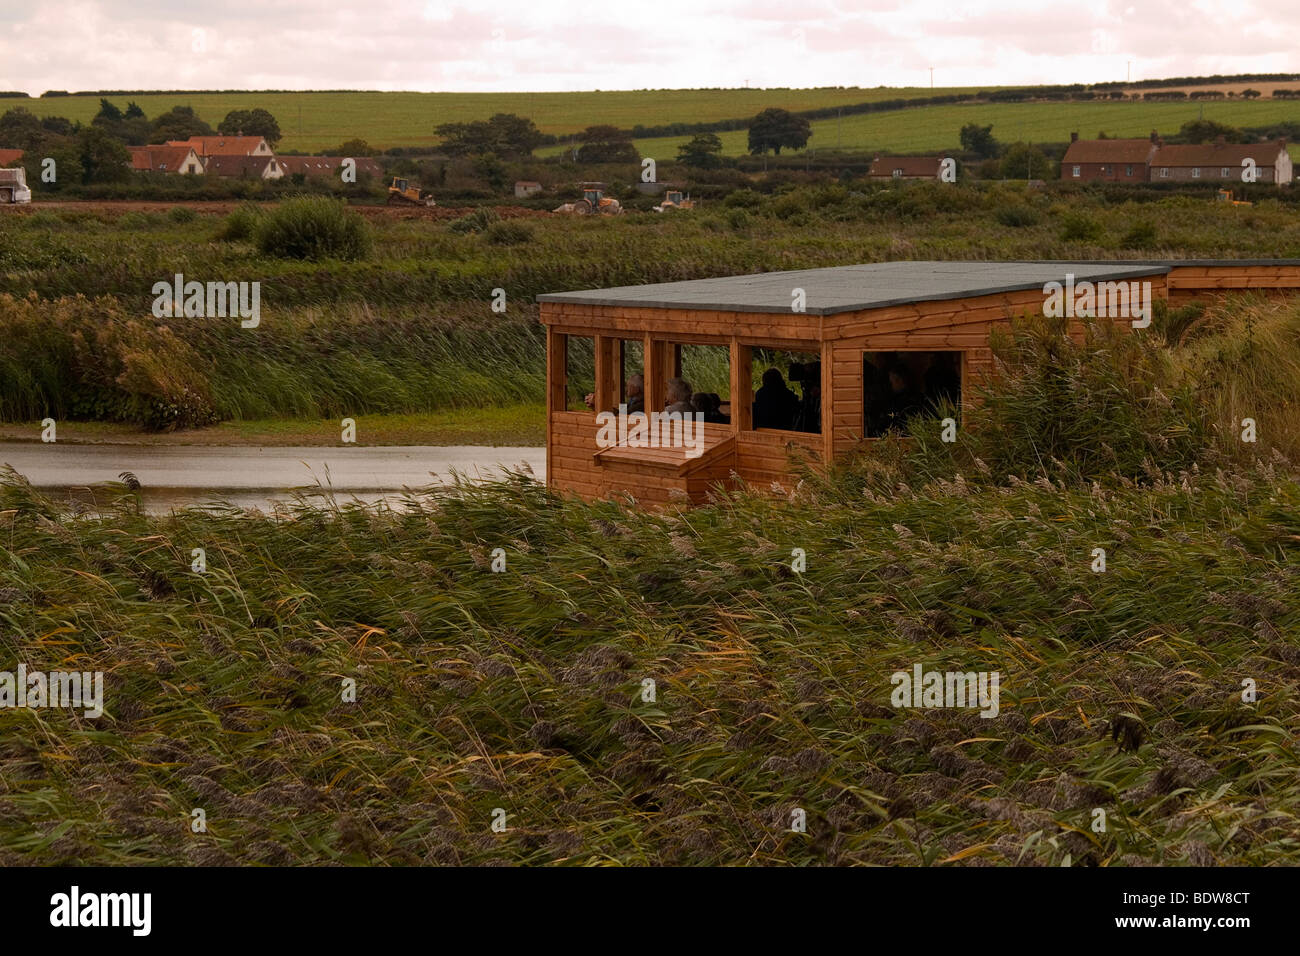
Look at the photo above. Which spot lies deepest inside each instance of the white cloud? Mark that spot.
(528, 46)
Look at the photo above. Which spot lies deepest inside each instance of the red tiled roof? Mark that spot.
(237, 165)
(326, 165)
(220, 145)
(160, 159)
(1109, 151)
(1215, 154)
(910, 166)
(9, 156)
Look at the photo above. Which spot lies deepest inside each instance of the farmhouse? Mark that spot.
(1114, 160)
(165, 159)
(244, 167)
(1222, 161)
(527, 187)
(905, 167)
(327, 167)
(207, 146)
(843, 354)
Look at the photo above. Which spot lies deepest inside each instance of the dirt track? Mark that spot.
(223, 207)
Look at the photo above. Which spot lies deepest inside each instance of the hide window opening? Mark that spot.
(579, 371)
(706, 371)
(631, 374)
(900, 386)
(787, 390)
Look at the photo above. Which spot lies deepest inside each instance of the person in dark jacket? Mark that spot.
(775, 406)
(709, 404)
(904, 399)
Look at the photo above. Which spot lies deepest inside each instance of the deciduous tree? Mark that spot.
(776, 129)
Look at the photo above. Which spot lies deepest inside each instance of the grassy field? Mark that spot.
(937, 127)
(312, 121)
(661, 688)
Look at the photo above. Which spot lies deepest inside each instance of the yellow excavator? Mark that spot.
(1227, 196)
(401, 192)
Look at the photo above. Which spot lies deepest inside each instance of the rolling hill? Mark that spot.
(319, 120)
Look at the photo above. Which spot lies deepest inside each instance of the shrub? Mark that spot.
(1141, 236)
(744, 199)
(1018, 216)
(1078, 227)
(508, 233)
(240, 225)
(738, 219)
(182, 214)
(312, 228)
(791, 207)
(476, 221)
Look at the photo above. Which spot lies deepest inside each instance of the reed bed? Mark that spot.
(523, 690)
(1160, 695)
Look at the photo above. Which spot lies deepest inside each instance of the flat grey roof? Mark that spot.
(852, 288)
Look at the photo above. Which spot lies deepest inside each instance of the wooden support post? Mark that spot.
(828, 402)
(555, 389)
(742, 387)
(650, 362)
(607, 372)
(658, 369)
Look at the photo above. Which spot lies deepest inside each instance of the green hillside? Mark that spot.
(319, 120)
(313, 121)
(937, 127)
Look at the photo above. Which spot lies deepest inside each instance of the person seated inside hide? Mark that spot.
(635, 395)
(775, 406)
(709, 404)
(809, 416)
(902, 401)
(679, 397)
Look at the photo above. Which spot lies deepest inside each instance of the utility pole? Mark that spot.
(1128, 74)
(931, 77)
(839, 115)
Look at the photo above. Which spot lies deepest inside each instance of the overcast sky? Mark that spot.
(537, 45)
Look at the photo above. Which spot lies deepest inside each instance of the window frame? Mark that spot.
(963, 356)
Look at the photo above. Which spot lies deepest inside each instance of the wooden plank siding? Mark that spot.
(761, 458)
(1192, 283)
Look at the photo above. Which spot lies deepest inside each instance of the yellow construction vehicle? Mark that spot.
(1226, 196)
(593, 200)
(402, 192)
(673, 200)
